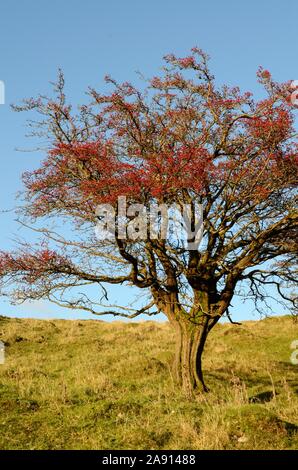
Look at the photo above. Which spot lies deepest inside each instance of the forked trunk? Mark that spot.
(188, 359)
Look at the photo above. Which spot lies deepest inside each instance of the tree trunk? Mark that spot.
(188, 358)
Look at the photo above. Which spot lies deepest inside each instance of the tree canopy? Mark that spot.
(181, 139)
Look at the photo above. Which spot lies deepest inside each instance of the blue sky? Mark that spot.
(92, 38)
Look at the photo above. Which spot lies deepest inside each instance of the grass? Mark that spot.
(95, 385)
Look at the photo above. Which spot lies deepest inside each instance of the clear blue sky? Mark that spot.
(90, 38)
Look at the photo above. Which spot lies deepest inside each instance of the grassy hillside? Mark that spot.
(94, 385)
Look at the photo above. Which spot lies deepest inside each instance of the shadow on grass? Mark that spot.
(263, 397)
(260, 379)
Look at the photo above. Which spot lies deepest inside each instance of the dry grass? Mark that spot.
(94, 385)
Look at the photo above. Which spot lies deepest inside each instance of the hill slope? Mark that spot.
(95, 385)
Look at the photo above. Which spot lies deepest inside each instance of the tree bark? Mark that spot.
(188, 357)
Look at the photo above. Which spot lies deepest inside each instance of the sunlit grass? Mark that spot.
(94, 385)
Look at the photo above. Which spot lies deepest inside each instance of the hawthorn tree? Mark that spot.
(182, 139)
